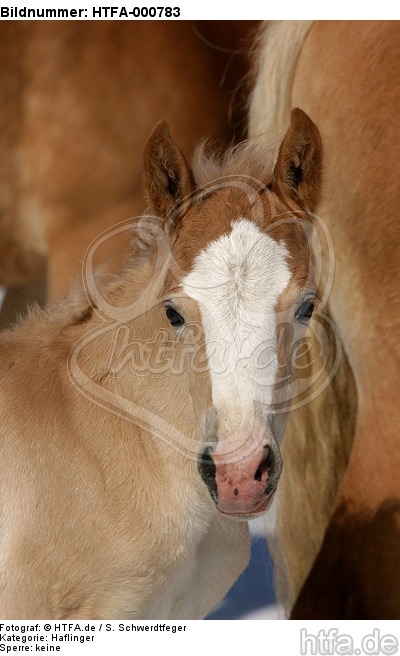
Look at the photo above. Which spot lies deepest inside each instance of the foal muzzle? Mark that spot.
(242, 485)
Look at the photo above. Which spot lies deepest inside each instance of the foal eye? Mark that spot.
(304, 313)
(174, 317)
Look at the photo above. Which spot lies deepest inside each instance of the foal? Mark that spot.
(104, 510)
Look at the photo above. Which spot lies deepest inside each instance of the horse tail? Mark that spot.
(277, 48)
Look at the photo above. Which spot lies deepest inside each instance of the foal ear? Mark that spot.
(167, 177)
(297, 173)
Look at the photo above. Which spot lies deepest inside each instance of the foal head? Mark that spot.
(242, 273)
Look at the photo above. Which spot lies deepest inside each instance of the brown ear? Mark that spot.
(297, 173)
(167, 176)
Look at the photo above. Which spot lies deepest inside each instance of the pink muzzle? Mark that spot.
(242, 482)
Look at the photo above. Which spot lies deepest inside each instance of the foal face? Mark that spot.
(243, 272)
(247, 276)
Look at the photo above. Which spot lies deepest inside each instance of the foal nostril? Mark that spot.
(208, 471)
(268, 471)
(258, 474)
(265, 465)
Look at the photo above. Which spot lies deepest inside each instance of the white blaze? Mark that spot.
(236, 282)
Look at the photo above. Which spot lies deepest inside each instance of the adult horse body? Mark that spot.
(104, 513)
(77, 102)
(346, 76)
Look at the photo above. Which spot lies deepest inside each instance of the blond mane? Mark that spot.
(253, 158)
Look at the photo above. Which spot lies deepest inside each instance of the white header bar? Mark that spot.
(196, 10)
